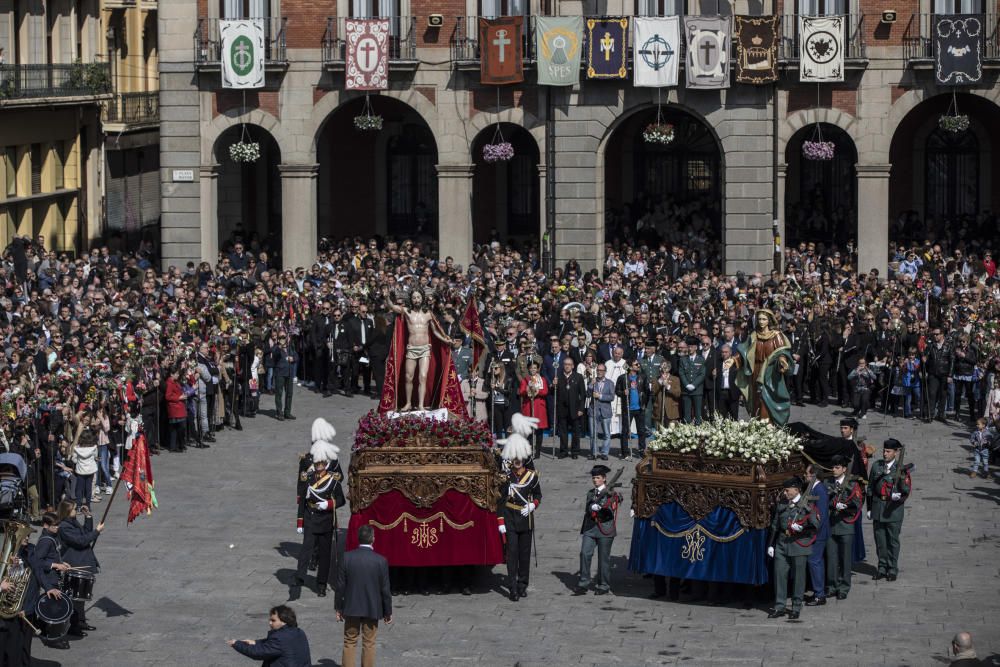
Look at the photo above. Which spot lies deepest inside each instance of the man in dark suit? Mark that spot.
(570, 407)
(362, 598)
(726, 392)
(319, 331)
(284, 360)
(344, 341)
(362, 327)
(285, 645)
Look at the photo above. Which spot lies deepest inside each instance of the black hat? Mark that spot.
(602, 470)
(691, 340)
(839, 460)
(892, 443)
(650, 342)
(849, 421)
(792, 483)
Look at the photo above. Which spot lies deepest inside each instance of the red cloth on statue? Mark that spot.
(535, 407)
(453, 531)
(443, 387)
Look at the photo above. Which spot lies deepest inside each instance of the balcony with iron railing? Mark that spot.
(27, 83)
(919, 45)
(208, 43)
(132, 110)
(465, 42)
(402, 42)
(855, 56)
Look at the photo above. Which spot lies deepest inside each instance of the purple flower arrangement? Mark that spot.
(375, 430)
(818, 150)
(499, 152)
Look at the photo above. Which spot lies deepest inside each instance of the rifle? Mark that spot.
(898, 471)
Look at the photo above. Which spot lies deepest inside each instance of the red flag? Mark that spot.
(500, 49)
(473, 328)
(138, 477)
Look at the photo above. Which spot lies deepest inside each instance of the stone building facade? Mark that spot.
(578, 154)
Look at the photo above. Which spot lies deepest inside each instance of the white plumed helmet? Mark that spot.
(522, 425)
(323, 430)
(516, 446)
(324, 451)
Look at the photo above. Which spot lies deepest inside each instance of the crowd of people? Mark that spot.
(193, 348)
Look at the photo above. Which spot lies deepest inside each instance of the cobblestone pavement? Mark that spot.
(172, 588)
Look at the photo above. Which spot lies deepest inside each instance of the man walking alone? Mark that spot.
(362, 598)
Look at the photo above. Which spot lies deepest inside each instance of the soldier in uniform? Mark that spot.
(846, 498)
(598, 531)
(525, 357)
(793, 531)
(859, 469)
(888, 488)
(318, 504)
(305, 474)
(520, 495)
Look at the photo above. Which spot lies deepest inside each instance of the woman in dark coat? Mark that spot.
(378, 352)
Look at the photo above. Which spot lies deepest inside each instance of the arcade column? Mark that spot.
(298, 214)
(873, 218)
(455, 212)
(209, 182)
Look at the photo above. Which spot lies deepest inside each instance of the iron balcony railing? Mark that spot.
(788, 44)
(402, 38)
(208, 43)
(630, 47)
(20, 82)
(918, 43)
(465, 42)
(133, 108)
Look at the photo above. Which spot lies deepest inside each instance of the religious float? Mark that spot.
(703, 496)
(427, 480)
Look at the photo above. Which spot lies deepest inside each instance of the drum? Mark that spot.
(78, 584)
(53, 616)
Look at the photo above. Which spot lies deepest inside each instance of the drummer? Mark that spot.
(16, 633)
(48, 557)
(78, 551)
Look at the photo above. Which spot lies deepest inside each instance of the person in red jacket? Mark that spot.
(176, 411)
(533, 391)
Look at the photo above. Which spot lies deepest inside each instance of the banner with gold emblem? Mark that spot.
(607, 48)
(756, 39)
(558, 48)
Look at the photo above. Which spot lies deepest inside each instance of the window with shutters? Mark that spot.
(822, 7)
(959, 7)
(244, 9)
(491, 8)
(659, 7)
(59, 165)
(36, 168)
(8, 164)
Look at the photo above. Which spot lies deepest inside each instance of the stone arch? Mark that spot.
(600, 166)
(510, 116)
(257, 117)
(908, 102)
(507, 196)
(800, 119)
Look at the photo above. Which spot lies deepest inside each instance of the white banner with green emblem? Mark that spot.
(242, 53)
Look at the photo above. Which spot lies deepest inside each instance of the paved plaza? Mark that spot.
(221, 550)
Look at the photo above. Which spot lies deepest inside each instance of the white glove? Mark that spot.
(323, 505)
(595, 507)
(869, 515)
(503, 529)
(527, 509)
(770, 552)
(631, 513)
(897, 496)
(797, 527)
(841, 506)
(689, 387)
(299, 531)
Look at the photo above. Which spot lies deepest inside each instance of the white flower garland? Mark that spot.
(757, 441)
(244, 151)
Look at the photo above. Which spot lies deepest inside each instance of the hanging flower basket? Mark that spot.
(658, 133)
(368, 123)
(956, 123)
(498, 152)
(818, 150)
(244, 151)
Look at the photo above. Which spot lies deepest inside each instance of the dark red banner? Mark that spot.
(500, 50)
(453, 531)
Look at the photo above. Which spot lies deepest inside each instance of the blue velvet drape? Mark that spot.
(713, 549)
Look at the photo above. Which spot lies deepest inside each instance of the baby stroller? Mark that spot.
(13, 482)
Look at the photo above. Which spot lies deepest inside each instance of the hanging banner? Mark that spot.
(607, 48)
(707, 51)
(756, 49)
(242, 53)
(657, 51)
(367, 66)
(958, 49)
(821, 48)
(500, 50)
(557, 42)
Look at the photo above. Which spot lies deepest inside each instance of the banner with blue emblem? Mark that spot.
(607, 48)
(657, 51)
(558, 48)
(714, 548)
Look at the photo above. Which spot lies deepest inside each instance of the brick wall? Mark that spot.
(449, 9)
(225, 100)
(485, 99)
(307, 22)
(843, 97)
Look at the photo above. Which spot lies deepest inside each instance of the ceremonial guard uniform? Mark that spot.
(888, 488)
(793, 531)
(845, 501)
(520, 496)
(318, 505)
(598, 531)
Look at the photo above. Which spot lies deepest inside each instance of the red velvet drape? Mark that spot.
(443, 387)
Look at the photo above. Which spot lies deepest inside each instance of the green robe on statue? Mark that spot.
(761, 379)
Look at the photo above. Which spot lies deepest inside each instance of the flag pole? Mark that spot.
(107, 508)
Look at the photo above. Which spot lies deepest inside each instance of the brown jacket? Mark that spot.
(666, 401)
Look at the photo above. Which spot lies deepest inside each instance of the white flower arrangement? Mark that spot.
(757, 441)
(244, 151)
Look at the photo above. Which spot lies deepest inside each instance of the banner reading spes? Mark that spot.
(657, 50)
(607, 48)
(242, 53)
(558, 46)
